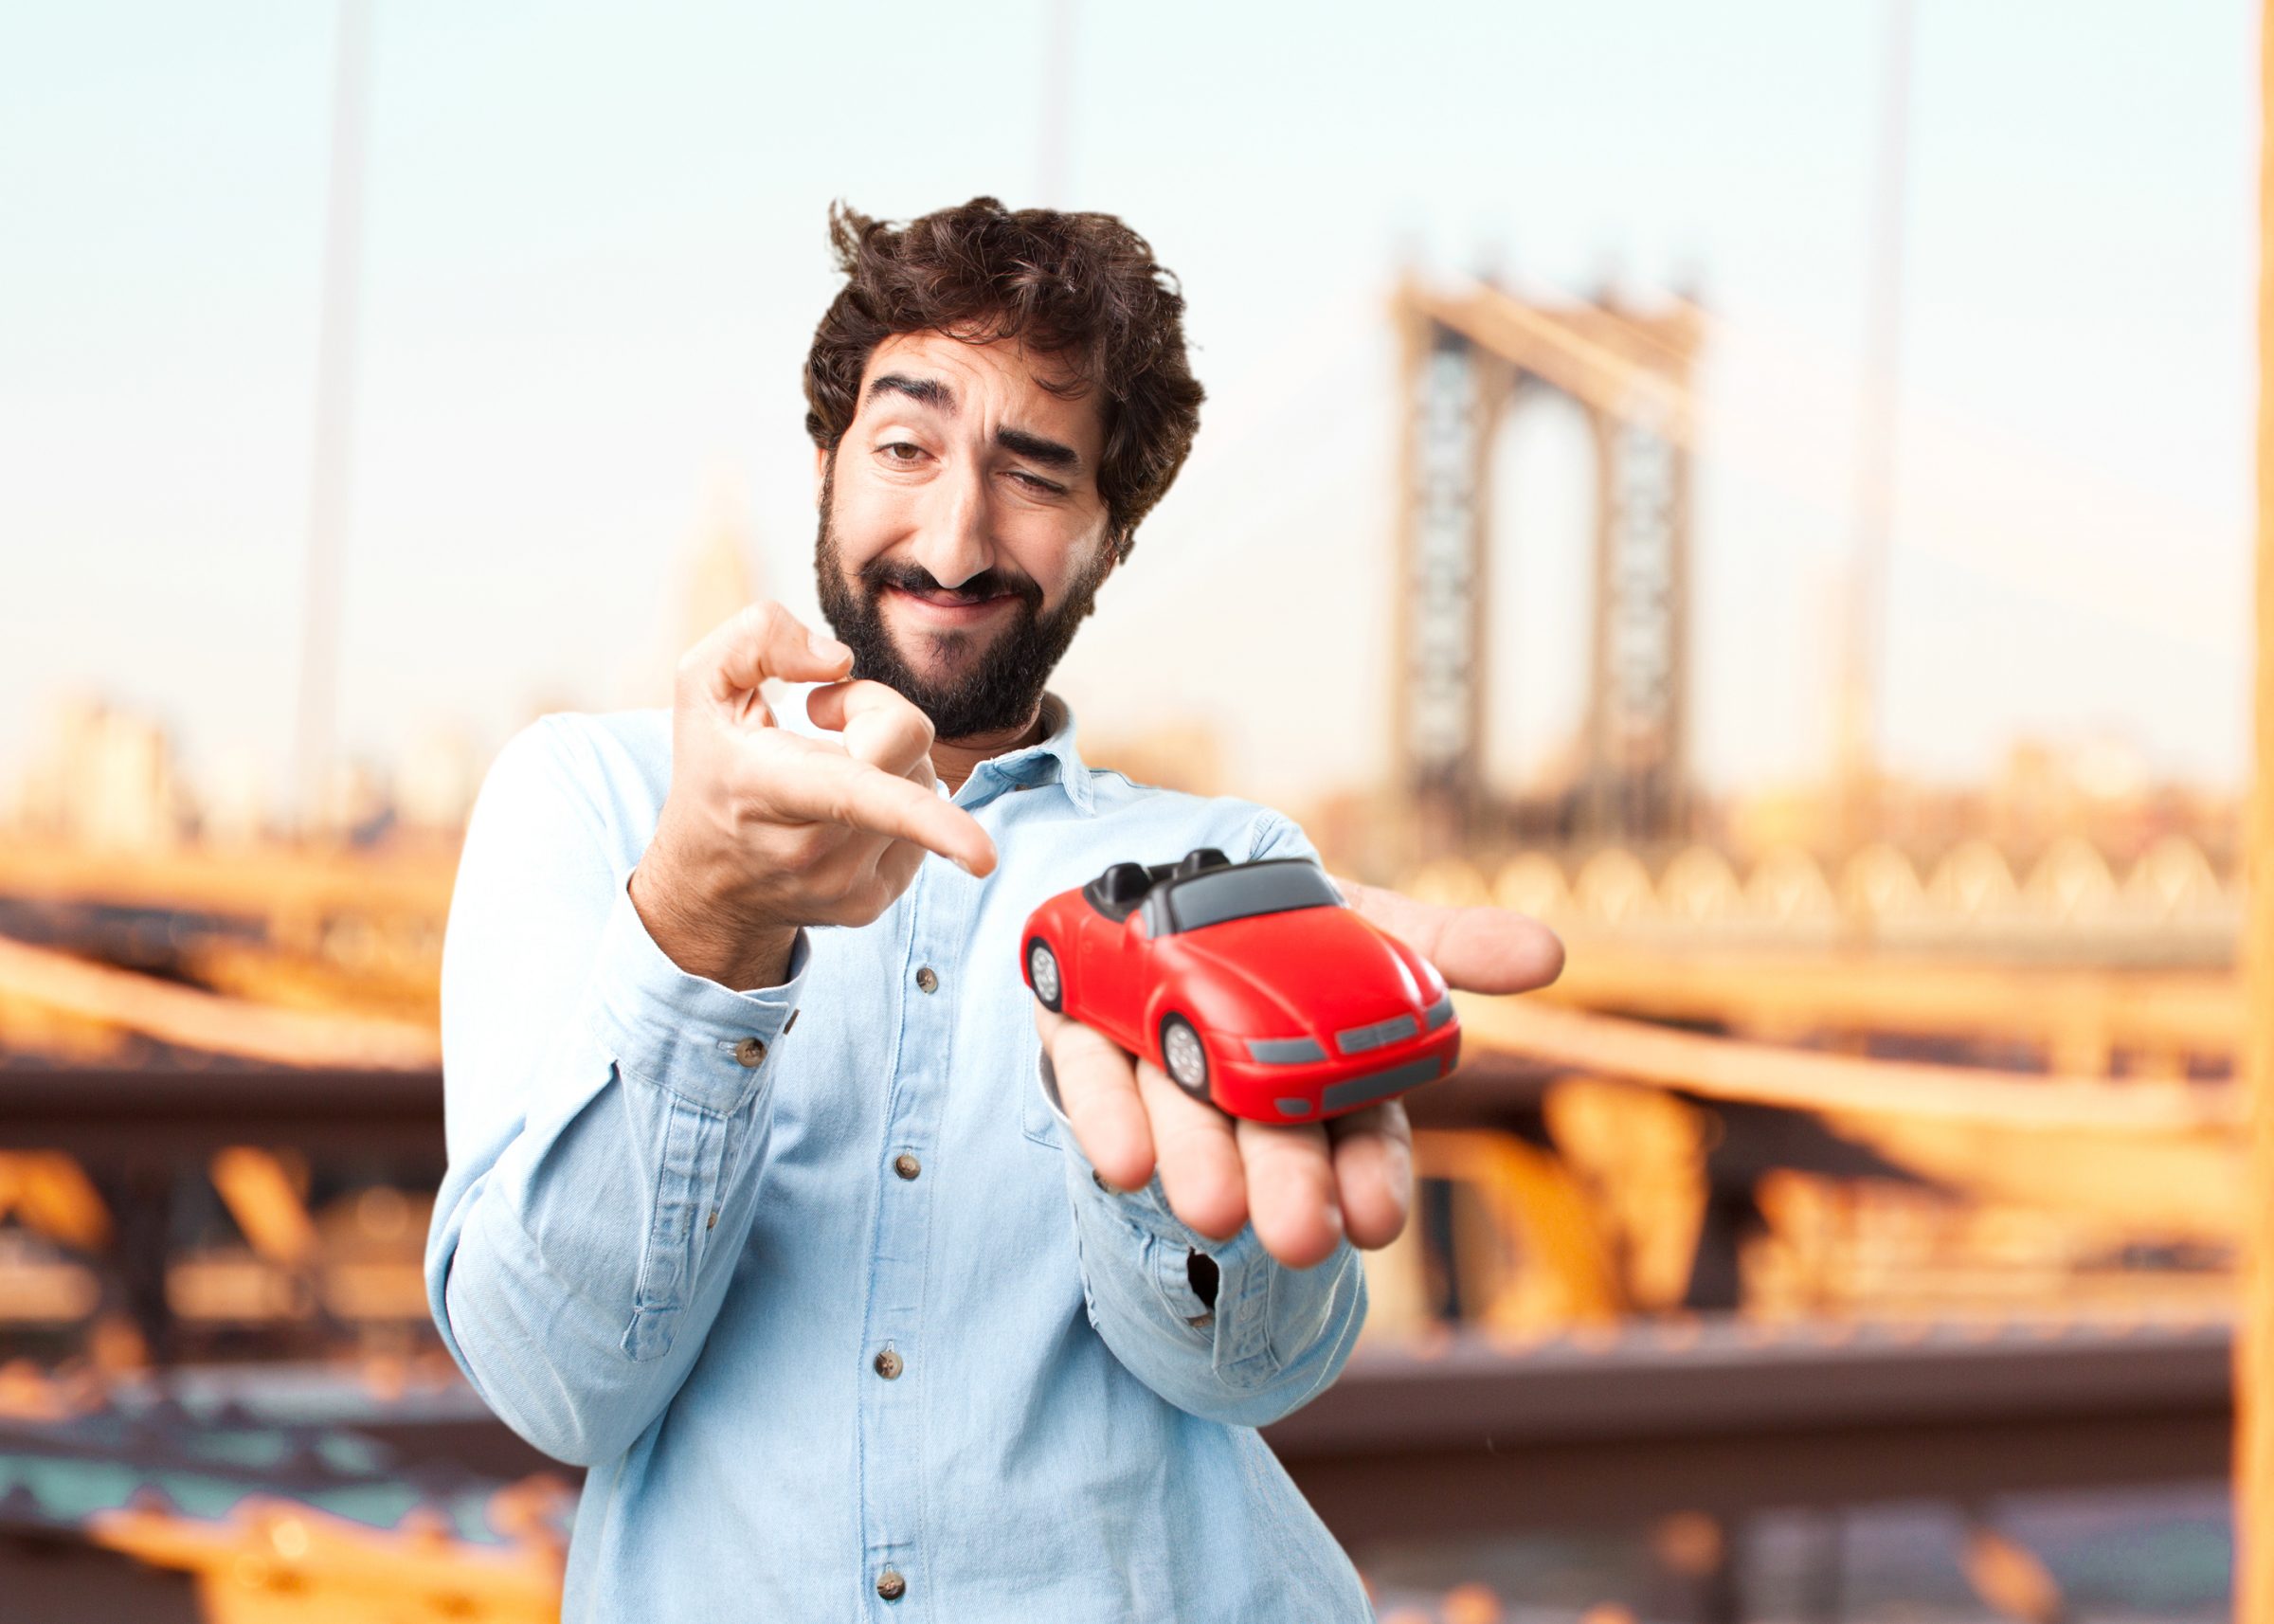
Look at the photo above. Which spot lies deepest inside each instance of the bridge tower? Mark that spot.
(1470, 356)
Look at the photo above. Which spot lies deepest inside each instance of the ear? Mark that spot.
(821, 470)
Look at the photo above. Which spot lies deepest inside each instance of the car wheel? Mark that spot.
(1042, 971)
(1183, 1058)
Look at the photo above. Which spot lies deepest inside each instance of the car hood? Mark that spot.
(1312, 957)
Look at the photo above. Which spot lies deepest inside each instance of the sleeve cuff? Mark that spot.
(1239, 1324)
(707, 1044)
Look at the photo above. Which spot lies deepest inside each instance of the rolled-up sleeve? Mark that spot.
(606, 1113)
(1218, 1328)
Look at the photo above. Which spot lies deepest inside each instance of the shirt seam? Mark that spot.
(562, 729)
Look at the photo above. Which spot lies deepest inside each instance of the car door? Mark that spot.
(1116, 960)
(1092, 952)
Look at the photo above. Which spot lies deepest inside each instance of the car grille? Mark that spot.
(1381, 1085)
(1358, 1040)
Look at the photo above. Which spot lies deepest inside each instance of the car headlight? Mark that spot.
(1284, 1051)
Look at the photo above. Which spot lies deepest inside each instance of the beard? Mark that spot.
(992, 686)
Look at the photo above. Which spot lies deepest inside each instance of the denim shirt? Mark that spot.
(813, 1278)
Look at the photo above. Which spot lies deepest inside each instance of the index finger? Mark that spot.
(762, 640)
(831, 786)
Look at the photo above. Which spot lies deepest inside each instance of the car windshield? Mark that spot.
(1240, 892)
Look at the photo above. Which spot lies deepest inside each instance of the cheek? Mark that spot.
(868, 517)
(1057, 574)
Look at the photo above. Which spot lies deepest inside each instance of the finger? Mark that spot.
(762, 640)
(1477, 950)
(1097, 1086)
(1291, 1190)
(1200, 1171)
(1374, 1172)
(880, 724)
(826, 785)
(896, 865)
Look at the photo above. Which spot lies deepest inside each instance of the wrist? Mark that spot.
(738, 953)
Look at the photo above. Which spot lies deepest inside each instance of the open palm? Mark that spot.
(1304, 1186)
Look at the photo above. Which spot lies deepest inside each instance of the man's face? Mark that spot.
(961, 534)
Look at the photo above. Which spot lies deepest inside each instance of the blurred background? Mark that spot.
(1764, 487)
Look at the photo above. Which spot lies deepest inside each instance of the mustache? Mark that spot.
(990, 583)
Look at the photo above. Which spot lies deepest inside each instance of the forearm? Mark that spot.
(606, 1117)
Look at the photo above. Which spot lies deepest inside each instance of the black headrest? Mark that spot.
(1126, 883)
(1201, 858)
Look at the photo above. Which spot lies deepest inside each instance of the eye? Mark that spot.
(890, 451)
(1035, 482)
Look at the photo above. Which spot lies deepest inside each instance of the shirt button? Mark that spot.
(749, 1051)
(891, 1585)
(907, 1166)
(926, 979)
(888, 1364)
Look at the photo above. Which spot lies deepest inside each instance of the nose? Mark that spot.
(954, 543)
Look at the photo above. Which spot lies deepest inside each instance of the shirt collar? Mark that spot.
(1054, 758)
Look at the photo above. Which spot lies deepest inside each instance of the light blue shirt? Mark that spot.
(813, 1278)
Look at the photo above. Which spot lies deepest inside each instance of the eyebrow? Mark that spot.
(933, 393)
(928, 391)
(1037, 449)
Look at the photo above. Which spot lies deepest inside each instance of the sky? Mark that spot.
(594, 250)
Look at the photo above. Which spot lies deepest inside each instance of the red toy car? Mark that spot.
(1253, 985)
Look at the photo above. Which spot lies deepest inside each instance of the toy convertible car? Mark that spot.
(1253, 985)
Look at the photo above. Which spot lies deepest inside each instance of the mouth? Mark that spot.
(948, 609)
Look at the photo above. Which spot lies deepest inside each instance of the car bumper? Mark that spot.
(1317, 1090)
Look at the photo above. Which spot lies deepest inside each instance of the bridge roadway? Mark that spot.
(1452, 1434)
(1455, 1438)
(1457, 1432)
(1726, 1418)
(1466, 1435)
(2160, 1155)
(2077, 1013)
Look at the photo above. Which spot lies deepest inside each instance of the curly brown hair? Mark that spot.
(1081, 288)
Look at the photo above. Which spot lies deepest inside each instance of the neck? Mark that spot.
(953, 759)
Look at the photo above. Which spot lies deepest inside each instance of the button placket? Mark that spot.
(914, 1097)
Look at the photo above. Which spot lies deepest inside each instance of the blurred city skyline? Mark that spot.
(593, 258)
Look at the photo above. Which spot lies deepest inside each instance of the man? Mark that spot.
(757, 1206)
